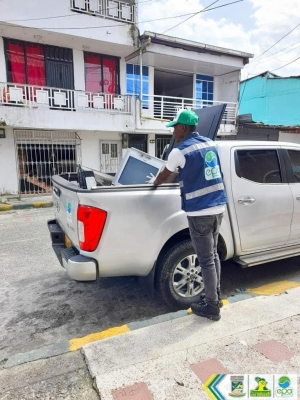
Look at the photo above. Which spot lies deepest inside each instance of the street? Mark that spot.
(40, 305)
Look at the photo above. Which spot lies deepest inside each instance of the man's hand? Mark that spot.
(151, 178)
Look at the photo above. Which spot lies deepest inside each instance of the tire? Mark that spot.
(179, 281)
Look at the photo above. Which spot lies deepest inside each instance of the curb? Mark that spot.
(77, 343)
(273, 289)
(38, 204)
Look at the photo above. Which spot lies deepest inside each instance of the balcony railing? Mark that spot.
(166, 107)
(20, 95)
(112, 9)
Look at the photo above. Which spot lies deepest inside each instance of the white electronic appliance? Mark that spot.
(135, 167)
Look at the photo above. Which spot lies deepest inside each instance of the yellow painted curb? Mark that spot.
(40, 204)
(5, 207)
(75, 344)
(274, 288)
(225, 302)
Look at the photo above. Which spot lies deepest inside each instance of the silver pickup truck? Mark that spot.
(140, 230)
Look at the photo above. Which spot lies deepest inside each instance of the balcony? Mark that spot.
(20, 95)
(122, 11)
(42, 107)
(166, 107)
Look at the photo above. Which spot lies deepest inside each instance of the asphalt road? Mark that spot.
(40, 305)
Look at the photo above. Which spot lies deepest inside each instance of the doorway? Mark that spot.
(110, 156)
(139, 142)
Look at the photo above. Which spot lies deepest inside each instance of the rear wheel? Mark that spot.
(179, 280)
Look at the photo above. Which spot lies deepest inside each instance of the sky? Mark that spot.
(251, 26)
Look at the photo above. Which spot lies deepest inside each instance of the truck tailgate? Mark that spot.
(65, 209)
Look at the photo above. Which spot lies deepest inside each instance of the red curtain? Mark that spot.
(93, 81)
(16, 65)
(35, 64)
(109, 75)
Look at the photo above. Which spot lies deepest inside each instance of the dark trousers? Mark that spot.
(204, 233)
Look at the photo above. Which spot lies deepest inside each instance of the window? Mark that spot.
(101, 73)
(133, 82)
(25, 62)
(261, 166)
(295, 163)
(204, 90)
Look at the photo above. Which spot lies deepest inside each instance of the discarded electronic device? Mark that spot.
(135, 168)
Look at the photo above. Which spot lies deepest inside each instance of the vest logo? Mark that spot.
(212, 171)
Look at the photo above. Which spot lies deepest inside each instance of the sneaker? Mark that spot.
(202, 298)
(207, 310)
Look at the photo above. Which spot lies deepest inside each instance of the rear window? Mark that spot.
(261, 166)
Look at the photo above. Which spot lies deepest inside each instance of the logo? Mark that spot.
(237, 386)
(261, 389)
(284, 389)
(69, 211)
(212, 171)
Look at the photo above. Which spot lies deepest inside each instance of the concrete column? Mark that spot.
(3, 74)
(79, 73)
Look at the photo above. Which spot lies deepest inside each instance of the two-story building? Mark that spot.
(71, 90)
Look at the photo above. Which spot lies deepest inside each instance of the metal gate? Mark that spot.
(160, 143)
(41, 154)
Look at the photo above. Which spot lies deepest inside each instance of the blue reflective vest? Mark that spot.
(200, 180)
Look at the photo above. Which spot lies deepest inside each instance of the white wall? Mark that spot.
(8, 167)
(289, 137)
(226, 87)
(90, 146)
(32, 13)
(3, 75)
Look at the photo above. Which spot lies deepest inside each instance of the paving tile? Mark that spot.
(138, 391)
(205, 369)
(274, 350)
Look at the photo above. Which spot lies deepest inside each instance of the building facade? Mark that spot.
(271, 99)
(79, 85)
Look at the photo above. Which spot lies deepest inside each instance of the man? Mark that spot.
(203, 199)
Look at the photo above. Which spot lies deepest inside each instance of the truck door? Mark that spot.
(293, 172)
(262, 198)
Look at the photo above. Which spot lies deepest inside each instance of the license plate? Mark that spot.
(68, 242)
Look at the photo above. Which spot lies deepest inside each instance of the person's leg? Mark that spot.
(217, 262)
(202, 233)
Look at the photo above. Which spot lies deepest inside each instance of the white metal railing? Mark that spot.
(15, 94)
(166, 107)
(118, 10)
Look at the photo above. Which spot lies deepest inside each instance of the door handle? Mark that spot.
(297, 197)
(246, 200)
(56, 191)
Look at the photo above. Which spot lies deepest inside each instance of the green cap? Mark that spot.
(185, 117)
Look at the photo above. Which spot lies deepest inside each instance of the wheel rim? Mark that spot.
(187, 280)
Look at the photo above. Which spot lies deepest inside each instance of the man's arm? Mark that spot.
(162, 176)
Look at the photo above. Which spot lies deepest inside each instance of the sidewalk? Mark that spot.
(169, 360)
(172, 360)
(8, 203)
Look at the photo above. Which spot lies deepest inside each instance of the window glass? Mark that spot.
(92, 73)
(105, 148)
(204, 90)
(109, 75)
(35, 64)
(133, 82)
(261, 166)
(101, 73)
(295, 162)
(15, 56)
(114, 150)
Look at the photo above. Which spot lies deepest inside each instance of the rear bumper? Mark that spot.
(78, 267)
